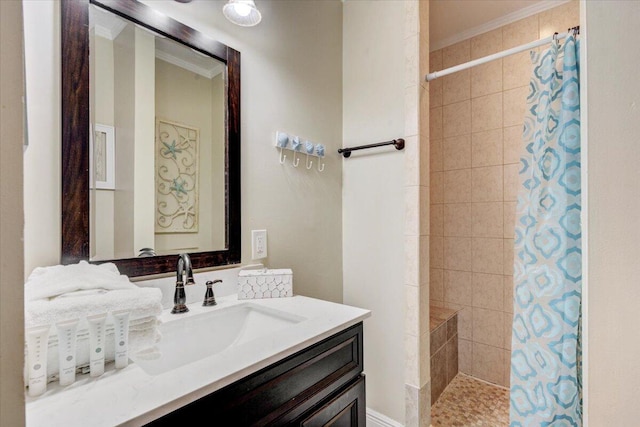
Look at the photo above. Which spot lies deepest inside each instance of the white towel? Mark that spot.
(143, 323)
(141, 302)
(49, 282)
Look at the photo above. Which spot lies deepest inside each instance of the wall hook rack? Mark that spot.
(293, 143)
(346, 152)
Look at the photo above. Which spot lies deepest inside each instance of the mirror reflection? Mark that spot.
(158, 118)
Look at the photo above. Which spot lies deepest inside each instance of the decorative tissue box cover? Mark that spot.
(265, 283)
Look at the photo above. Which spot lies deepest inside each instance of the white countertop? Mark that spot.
(132, 397)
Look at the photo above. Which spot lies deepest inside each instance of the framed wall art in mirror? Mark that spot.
(177, 177)
(172, 96)
(102, 159)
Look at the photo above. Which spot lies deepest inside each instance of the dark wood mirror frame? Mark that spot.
(75, 134)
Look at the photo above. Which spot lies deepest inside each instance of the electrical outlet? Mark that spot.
(258, 244)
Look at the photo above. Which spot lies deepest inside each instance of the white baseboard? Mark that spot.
(376, 419)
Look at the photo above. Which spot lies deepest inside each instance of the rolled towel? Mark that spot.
(50, 282)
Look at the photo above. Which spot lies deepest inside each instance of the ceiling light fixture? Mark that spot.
(242, 12)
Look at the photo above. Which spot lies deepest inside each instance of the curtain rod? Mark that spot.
(513, 50)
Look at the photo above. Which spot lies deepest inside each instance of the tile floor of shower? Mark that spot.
(469, 402)
(460, 400)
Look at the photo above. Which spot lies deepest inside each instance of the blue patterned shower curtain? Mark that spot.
(546, 388)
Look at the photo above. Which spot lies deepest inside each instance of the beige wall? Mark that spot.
(124, 120)
(216, 165)
(11, 215)
(102, 74)
(476, 127)
(144, 202)
(183, 96)
(103, 92)
(291, 81)
(613, 208)
(42, 159)
(373, 192)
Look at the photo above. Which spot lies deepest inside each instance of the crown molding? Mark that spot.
(205, 72)
(497, 23)
(109, 30)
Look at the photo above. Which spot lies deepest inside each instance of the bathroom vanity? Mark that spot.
(322, 384)
(299, 361)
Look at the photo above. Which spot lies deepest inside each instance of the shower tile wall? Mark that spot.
(475, 122)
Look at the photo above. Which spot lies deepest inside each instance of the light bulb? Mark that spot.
(242, 9)
(241, 12)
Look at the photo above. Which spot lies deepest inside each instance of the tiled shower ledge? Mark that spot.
(439, 315)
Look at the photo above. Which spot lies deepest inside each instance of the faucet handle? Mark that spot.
(209, 298)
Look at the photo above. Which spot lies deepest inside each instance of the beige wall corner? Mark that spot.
(11, 215)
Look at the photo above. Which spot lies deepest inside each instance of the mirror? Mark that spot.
(151, 140)
(155, 166)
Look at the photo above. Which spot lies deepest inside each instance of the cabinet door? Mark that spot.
(347, 409)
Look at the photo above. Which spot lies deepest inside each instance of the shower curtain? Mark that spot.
(546, 387)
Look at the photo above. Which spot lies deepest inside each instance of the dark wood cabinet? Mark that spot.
(346, 409)
(322, 385)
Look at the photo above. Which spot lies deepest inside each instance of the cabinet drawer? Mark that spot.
(282, 391)
(346, 409)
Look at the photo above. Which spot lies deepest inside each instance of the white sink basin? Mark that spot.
(193, 337)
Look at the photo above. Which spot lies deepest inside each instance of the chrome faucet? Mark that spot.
(184, 277)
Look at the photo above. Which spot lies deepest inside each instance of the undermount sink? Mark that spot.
(189, 339)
